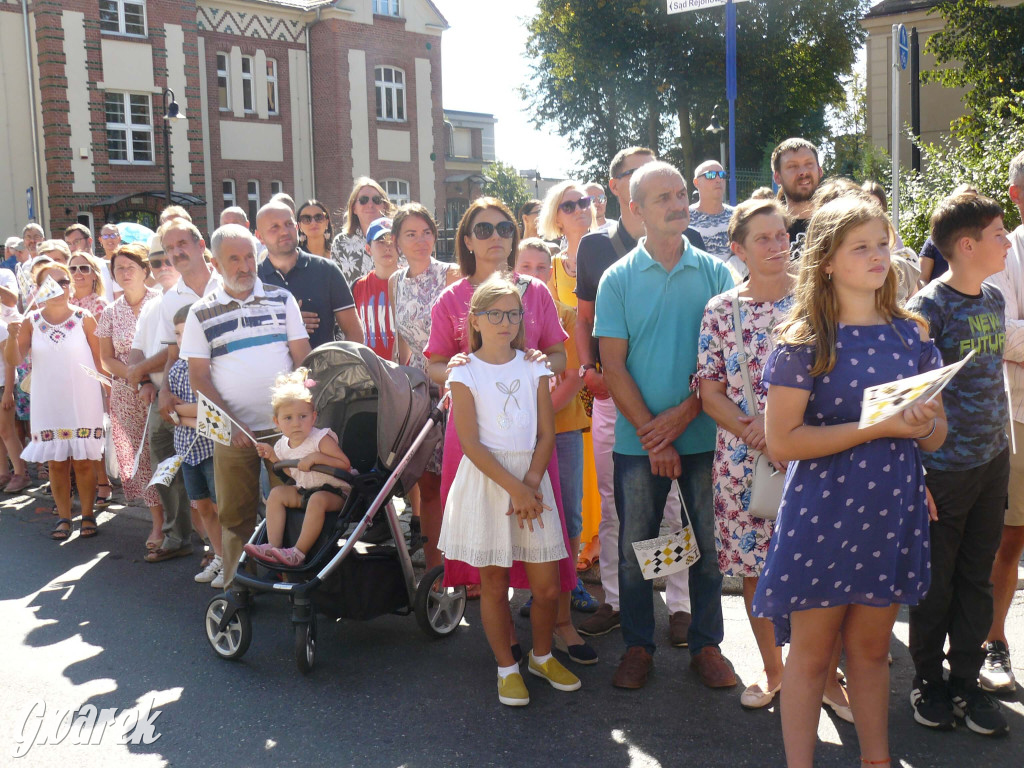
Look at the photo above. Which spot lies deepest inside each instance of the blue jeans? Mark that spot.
(569, 447)
(640, 500)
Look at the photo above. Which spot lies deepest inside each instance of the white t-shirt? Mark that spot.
(506, 400)
(247, 345)
(147, 335)
(109, 286)
(178, 296)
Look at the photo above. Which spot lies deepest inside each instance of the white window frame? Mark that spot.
(382, 87)
(387, 8)
(252, 196)
(122, 23)
(249, 84)
(397, 190)
(276, 188)
(130, 129)
(273, 102)
(230, 199)
(224, 73)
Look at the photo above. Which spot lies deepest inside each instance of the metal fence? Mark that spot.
(749, 179)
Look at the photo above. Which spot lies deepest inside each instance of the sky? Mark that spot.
(483, 65)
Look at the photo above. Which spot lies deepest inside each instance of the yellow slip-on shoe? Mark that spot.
(512, 690)
(552, 671)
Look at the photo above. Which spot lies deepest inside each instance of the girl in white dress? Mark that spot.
(295, 416)
(501, 507)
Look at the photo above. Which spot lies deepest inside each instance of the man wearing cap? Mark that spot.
(13, 248)
(371, 290)
(317, 284)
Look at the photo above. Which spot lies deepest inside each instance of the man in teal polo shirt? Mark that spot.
(648, 313)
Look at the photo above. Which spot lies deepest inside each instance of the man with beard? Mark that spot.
(237, 340)
(317, 284)
(797, 171)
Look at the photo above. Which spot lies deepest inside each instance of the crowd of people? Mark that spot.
(607, 377)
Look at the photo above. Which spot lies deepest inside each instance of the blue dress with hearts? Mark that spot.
(853, 526)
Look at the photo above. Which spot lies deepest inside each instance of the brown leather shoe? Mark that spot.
(712, 668)
(601, 622)
(679, 628)
(633, 669)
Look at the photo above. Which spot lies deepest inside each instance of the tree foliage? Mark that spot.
(608, 74)
(506, 184)
(981, 49)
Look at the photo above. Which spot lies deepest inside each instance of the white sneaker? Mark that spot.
(218, 581)
(210, 572)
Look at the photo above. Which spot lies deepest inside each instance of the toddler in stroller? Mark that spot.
(301, 440)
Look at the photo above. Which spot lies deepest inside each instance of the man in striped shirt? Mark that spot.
(237, 340)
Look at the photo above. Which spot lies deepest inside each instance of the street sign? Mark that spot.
(682, 6)
(903, 47)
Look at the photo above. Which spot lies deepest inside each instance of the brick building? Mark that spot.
(294, 95)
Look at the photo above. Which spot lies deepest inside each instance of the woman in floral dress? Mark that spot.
(368, 202)
(89, 293)
(412, 291)
(758, 236)
(116, 331)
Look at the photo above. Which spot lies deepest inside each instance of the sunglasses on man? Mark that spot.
(713, 175)
(571, 205)
(483, 230)
(377, 199)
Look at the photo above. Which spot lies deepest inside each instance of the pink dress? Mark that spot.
(127, 412)
(448, 338)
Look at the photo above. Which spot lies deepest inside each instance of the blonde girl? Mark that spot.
(851, 539)
(501, 506)
(295, 416)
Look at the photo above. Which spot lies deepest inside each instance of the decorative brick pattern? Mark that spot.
(253, 25)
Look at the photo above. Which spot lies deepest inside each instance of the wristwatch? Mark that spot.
(587, 366)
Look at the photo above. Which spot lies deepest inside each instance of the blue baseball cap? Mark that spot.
(377, 229)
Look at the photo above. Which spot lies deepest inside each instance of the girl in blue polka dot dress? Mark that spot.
(851, 540)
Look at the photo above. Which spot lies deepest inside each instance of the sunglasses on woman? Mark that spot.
(713, 174)
(319, 218)
(571, 205)
(483, 230)
(377, 199)
(63, 282)
(81, 269)
(495, 316)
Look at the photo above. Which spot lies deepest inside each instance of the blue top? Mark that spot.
(659, 314)
(202, 448)
(975, 400)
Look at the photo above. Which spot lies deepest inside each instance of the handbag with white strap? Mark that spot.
(767, 482)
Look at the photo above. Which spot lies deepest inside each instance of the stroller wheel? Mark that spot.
(438, 608)
(233, 640)
(305, 644)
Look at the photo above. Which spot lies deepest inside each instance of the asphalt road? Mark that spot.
(88, 622)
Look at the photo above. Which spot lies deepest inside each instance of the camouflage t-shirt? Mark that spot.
(975, 401)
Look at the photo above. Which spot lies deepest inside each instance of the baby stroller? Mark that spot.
(382, 415)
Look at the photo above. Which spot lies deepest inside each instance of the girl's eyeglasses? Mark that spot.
(571, 205)
(495, 316)
(377, 199)
(483, 230)
(713, 174)
(81, 269)
(319, 218)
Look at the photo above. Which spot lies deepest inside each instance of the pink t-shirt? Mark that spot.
(448, 318)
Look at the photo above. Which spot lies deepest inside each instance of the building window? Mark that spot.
(390, 93)
(276, 188)
(398, 190)
(385, 7)
(223, 82)
(253, 188)
(272, 87)
(129, 128)
(229, 193)
(247, 84)
(123, 17)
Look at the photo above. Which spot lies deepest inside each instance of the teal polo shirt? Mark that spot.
(659, 314)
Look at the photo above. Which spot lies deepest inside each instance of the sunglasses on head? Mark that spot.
(80, 268)
(713, 174)
(377, 199)
(571, 205)
(483, 230)
(160, 263)
(307, 218)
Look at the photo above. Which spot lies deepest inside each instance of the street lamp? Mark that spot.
(716, 129)
(171, 112)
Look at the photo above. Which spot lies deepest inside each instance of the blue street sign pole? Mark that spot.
(730, 91)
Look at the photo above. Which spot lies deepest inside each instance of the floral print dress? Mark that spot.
(349, 253)
(127, 412)
(741, 538)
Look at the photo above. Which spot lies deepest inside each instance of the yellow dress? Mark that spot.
(563, 288)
